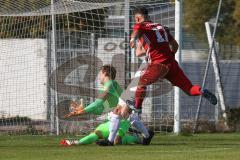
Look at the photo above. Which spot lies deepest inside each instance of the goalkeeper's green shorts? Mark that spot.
(104, 129)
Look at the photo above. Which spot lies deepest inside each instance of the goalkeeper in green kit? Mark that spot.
(102, 132)
(108, 96)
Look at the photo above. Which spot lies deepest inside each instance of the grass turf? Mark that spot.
(165, 147)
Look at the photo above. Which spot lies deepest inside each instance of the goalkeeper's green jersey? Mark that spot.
(114, 91)
(123, 128)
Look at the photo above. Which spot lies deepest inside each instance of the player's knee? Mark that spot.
(124, 115)
(117, 110)
(140, 90)
(141, 87)
(125, 112)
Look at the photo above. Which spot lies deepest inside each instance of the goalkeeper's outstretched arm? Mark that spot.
(106, 76)
(98, 103)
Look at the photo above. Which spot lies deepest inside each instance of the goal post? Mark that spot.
(178, 37)
(51, 53)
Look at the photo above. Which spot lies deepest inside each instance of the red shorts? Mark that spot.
(168, 70)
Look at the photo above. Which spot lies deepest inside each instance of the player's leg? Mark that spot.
(123, 112)
(89, 139)
(114, 124)
(141, 83)
(115, 118)
(177, 77)
(152, 73)
(101, 132)
(137, 123)
(119, 113)
(68, 142)
(133, 116)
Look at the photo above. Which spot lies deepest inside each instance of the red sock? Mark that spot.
(139, 97)
(195, 90)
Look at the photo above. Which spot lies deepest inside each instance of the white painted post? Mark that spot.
(216, 71)
(54, 109)
(178, 37)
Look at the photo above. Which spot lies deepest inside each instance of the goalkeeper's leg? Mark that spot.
(113, 127)
(91, 138)
(123, 112)
(102, 131)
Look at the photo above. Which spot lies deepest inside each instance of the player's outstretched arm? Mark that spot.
(91, 108)
(98, 103)
(75, 106)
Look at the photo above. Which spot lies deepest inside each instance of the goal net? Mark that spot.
(51, 53)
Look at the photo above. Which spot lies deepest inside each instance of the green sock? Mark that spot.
(130, 139)
(89, 139)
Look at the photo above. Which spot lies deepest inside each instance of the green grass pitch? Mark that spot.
(163, 147)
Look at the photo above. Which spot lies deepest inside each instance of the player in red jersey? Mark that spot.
(160, 48)
(158, 45)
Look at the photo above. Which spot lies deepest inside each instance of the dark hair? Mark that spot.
(109, 70)
(140, 10)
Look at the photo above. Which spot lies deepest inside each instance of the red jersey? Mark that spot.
(155, 39)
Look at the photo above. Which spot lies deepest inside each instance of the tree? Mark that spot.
(236, 17)
(197, 12)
